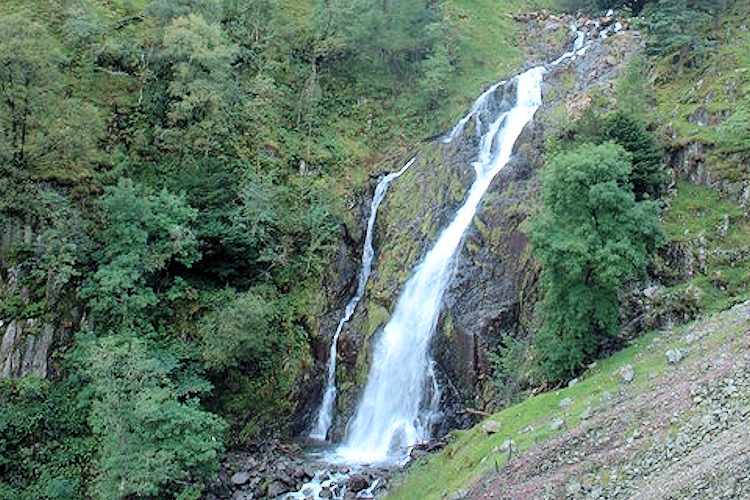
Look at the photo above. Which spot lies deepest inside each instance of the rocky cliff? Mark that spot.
(493, 290)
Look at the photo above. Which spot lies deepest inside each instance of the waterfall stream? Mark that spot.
(391, 415)
(402, 396)
(325, 412)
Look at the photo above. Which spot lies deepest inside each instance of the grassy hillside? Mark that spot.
(594, 406)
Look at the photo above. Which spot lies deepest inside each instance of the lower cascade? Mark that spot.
(325, 412)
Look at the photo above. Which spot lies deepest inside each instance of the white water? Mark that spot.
(480, 105)
(390, 416)
(325, 412)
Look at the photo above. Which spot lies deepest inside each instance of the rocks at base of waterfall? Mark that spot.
(674, 356)
(243, 495)
(358, 482)
(277, 488)
(627, 374)
(240, 478)
(491, 427)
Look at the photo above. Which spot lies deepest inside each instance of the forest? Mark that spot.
(175, 177)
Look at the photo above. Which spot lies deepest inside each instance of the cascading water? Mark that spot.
(389, 417)
(402, 394)
(325, 412)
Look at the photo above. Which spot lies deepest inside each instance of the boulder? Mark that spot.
(277, 488)
(674, 356)
(491, 427)
(240, 478)
(357, 483)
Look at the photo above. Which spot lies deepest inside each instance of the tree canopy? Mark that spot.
(592, 237)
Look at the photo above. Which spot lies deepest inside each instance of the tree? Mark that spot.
(202, 88)
(141, 235)
(678, 29)
(647, 176)
(591, 237)
(29, 70)
(154, 439)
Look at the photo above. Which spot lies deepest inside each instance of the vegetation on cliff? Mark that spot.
(171, 179)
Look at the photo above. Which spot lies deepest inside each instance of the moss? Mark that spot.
(448, 325)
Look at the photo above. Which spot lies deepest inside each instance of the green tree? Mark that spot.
(647, 175)
(29, 71)
(590, 239)
(202, 89)
(141, 235)
(154, 439)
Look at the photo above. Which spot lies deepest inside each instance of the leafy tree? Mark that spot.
(633, 90)
(154, 439)
(45, 440)
(647, 175)
(201, 87)
(437, 73)
(141, 235)
(166, 11)
(29, 69)
(592, 236)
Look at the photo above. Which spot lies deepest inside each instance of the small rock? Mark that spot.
(325, 493)
(491, 427)
(357, 483)
(573, 382)
(508, 445)
(277, 488)
(606, 396)
(459, 495)
(674, 356)
(565, 402)
(627, 374)
(557, 424)
(240, 478)
(586, 414)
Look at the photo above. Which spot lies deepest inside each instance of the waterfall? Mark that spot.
(325, 412)
(391, 415)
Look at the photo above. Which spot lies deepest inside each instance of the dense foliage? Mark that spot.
(166, 191)
(591, 238)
